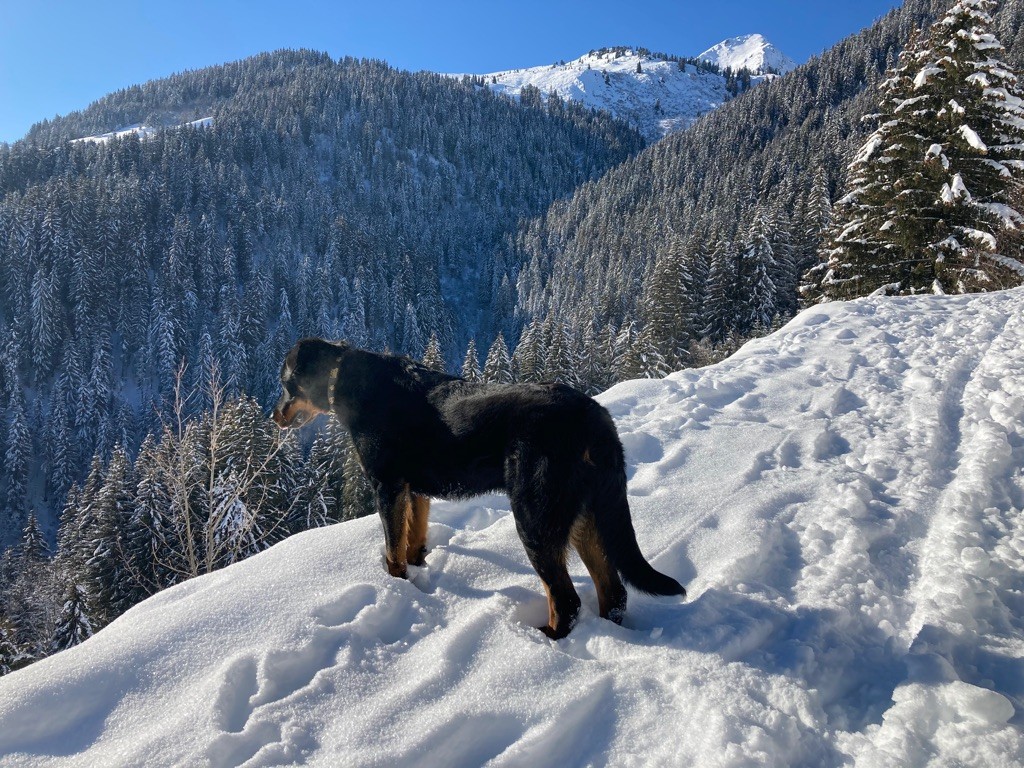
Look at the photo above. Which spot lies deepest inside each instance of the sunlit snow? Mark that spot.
(843, 499)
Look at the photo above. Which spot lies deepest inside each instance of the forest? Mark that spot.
(153, 284)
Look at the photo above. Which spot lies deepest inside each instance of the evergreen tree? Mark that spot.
(357, 498)
(471, 363)
(11, 655)
(16, 460)
(641, 358)
(498, 366)
(719, 309)
(433, 358)
(528, 360)
(667, 308)
(756, 267)
(73, 625)
(930, 192)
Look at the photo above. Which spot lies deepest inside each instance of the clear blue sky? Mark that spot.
(58, 56)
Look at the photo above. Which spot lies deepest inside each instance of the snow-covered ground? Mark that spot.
(753, 52)
(843, 500)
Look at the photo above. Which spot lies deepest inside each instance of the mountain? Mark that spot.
(842, 499)
(657, 93)
(752, 52)
(763, 168)
(253, 203)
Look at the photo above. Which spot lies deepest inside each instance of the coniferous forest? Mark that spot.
(152, 284)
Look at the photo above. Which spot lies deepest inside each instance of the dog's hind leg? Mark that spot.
(393, 502)
(544, 518)
(611, 594)
(419, 514)
(563, 602)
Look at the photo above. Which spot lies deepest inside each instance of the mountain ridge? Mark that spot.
(659, 93)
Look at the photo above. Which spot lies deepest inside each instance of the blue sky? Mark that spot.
(57, 56)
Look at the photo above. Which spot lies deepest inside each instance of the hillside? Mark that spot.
(253, 203)
(768, 163)
(842, 498)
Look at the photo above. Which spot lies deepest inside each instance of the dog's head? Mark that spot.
(307, 378)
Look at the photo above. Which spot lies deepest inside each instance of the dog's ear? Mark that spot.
(311, 357)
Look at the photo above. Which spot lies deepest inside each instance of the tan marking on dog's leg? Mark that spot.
(563, 602)
(587, 459)
(396, 557)
(611, 594)
(419, 515)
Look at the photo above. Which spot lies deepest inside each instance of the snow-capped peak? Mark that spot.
(657, 94)
(752, 52)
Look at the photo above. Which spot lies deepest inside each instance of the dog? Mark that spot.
(420, 434)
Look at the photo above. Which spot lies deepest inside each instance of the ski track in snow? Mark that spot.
(842, 499)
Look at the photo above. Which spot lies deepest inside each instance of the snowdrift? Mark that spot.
(842, 499)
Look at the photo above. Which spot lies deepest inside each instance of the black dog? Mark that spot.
(419, 433)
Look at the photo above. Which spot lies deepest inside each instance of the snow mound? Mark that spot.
(752, 52)
(843, 500)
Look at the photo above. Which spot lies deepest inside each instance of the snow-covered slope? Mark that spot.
(659, 99)
(751, 52)
(843, 500)
(142, 131)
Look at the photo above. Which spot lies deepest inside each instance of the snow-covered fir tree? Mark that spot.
(470, 370)
(73, 625)
(498, 365)
(667, 305)
(931, 191)
(433, 357)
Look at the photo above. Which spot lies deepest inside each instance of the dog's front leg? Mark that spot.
(393, 502)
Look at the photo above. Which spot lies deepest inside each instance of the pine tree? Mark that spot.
(357, 497)
(719, 308)
(528, 360)
(73, 625)
(471, 363)
(756, 267)
(109, 584)
(642, 359)
(433, 358)
(666, 306)
(16, 460)
(930, 192)
(33, 544)
(11, 655)
(498, 366)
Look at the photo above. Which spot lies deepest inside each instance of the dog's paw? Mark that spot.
(398, 570)
(554, 634)
(418, 557)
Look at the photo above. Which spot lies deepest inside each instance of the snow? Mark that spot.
(971, 137)
(843, 500)
(752, 52)
(922, 77)
(608, 80)
(955, 190)
(142, 131)
(681, 96)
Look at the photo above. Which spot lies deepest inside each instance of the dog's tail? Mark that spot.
(610, 510)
